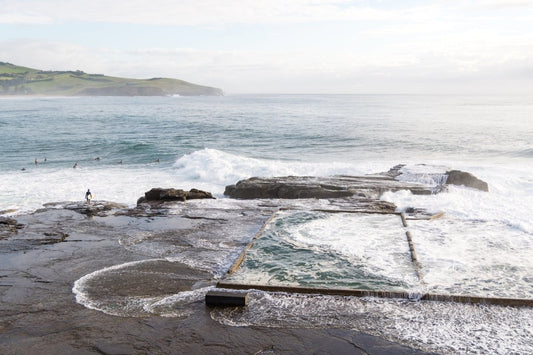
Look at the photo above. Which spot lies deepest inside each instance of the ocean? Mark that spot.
(124, 146)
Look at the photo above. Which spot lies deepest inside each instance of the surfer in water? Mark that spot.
(88, 196)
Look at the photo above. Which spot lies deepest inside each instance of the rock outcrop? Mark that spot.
(292, 187)
(457, 177)
(160, 195)
(195, 194)
(367, 186)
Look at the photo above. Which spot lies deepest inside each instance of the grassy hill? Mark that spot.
(17, 80)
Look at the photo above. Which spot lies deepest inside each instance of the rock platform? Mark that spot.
(43, 254)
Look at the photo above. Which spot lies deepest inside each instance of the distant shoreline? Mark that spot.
(2, 96)
(23, 81)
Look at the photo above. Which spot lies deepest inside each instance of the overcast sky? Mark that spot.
(282, 46)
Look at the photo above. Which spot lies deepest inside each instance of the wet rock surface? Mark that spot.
(295, 187)
(96, 208)
(8, 227)
(457, 177)
(160, 195)
(127, 255)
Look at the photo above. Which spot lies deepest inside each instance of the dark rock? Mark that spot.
(159, 195)
(457, 177)
(285, 187)
(230, 190)
(8, 227)
(195, 194)
(53, 238)
(293, 187)
(8, 221)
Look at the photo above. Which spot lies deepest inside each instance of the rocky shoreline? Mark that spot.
(168, 247)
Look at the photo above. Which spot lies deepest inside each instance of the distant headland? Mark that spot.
(18, 80)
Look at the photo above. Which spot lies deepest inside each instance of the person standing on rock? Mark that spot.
(88, 196)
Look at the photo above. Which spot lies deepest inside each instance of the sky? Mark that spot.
(283, 46)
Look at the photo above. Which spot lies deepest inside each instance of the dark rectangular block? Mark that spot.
(226, 299)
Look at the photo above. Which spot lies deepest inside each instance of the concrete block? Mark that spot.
(217, 298)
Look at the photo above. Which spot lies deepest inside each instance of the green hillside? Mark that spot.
(17, 80)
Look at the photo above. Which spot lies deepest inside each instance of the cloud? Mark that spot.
(24, 18)
(502, 4)
(247, 71)
(336, 45)
(52, 55)
(188, 12)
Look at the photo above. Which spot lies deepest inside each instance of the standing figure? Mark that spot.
(88, 197)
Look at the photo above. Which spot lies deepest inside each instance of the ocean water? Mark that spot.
(482, 246)
(338, 250)
(209, 142)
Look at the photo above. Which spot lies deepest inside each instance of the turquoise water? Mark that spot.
(316, 249)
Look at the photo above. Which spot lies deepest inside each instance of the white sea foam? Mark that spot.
(474, 258)
(374, 242)
(172, 305)
(430, 175)
(121, 305)
(208, 169)
(447, 328)
(176, 305)
(218, 168)
(483, 243)
(508, 201)
(29, 190)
